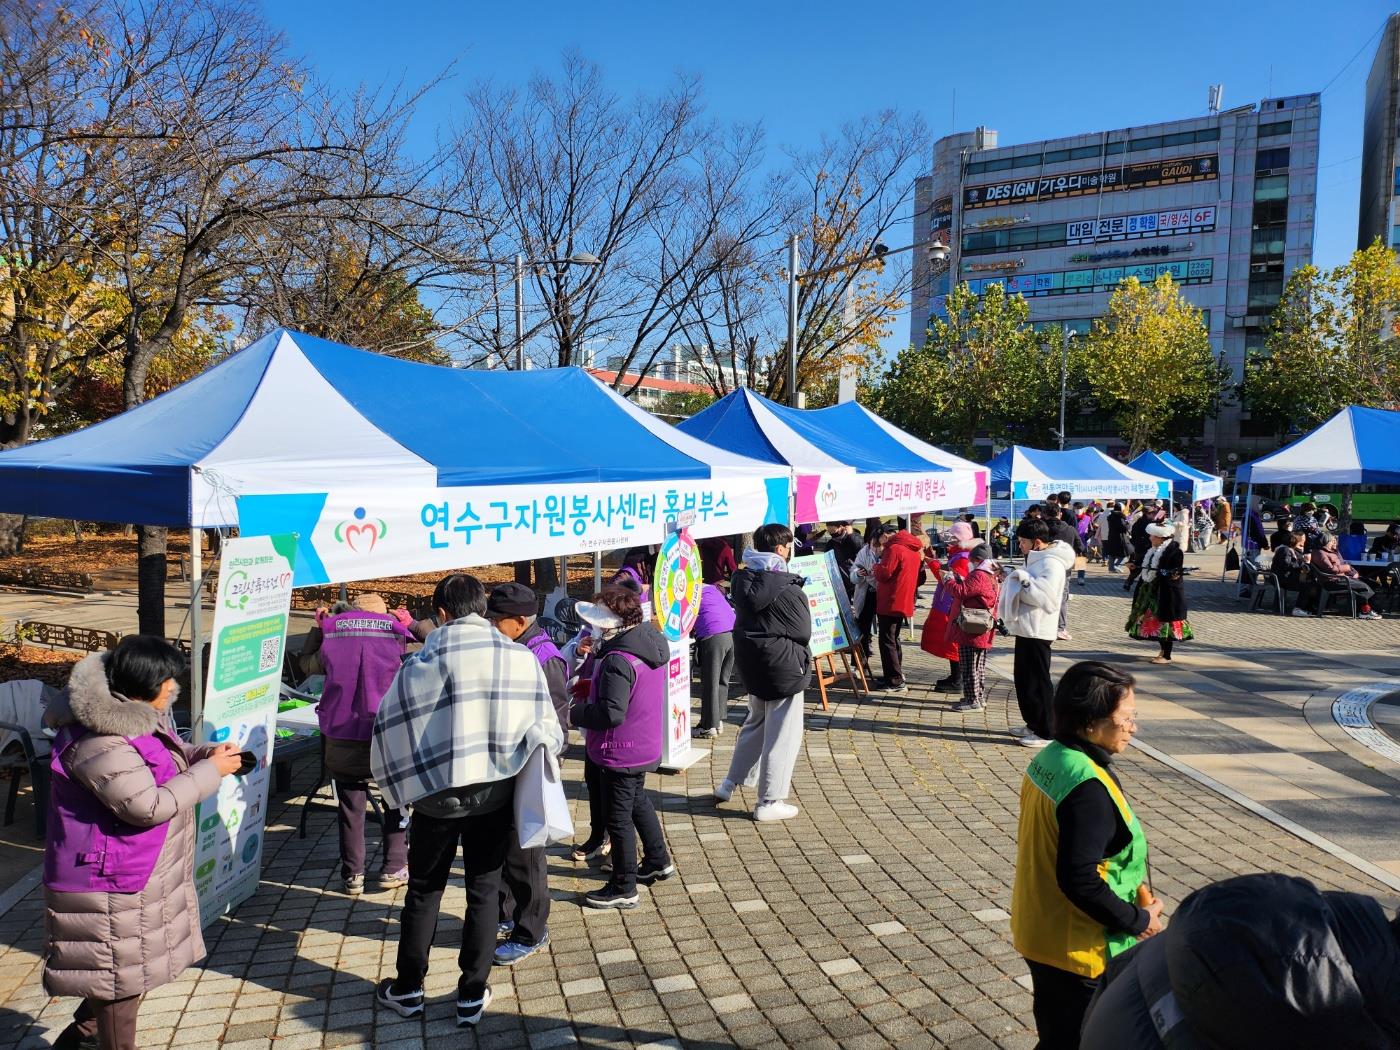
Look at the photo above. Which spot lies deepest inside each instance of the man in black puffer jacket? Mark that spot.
(772, 629)
(1256, 961)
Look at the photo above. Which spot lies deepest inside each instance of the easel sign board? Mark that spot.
(843, 599)
(829, 633)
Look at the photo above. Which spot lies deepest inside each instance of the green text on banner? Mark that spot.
(240, 708)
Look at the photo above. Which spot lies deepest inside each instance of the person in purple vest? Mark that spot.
(524, 914)
(636, 567)
(714, 643)
(122, 912)
(360, 652)
(624, 717)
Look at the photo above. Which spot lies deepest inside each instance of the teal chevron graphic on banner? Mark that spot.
(289, 512)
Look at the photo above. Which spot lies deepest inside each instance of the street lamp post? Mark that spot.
(937, 253)
(521, 265)
(1064, 378)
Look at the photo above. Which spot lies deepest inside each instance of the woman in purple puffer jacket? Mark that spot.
(121, 913)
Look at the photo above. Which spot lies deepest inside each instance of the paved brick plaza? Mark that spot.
(877, 917)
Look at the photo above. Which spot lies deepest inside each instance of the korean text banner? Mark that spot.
(352, 534)
(1095, 488)
(838, 496)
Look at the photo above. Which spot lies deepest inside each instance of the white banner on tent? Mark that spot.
(847, 495)
(1098, 488)
(359, 534)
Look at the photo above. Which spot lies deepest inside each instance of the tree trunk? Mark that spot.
(1344, 518)
(150, 579)
(522, 572)
(11, 534)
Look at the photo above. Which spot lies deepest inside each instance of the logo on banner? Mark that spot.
(828, 496)
(361, 534)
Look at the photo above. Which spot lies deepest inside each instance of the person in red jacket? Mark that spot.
(935, 640)
(980, 589)
(896, 581)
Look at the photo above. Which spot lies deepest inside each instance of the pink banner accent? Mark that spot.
(807, 485)
(982, 478)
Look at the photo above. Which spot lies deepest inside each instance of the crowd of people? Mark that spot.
(445, 715)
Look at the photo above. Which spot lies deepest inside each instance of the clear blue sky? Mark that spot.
(1029, 70)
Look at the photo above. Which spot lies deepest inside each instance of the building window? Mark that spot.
(1264, 292)
(1181, 138)
(1268, 241)
(1271, 213)
(1272, 159)
(1055, 156)
(1208, 135)
(1395, 236)
(1083, 153)
(1150, 142)
(1114, 148)
(1271, 188)
(1278, 127)
(1397, 180)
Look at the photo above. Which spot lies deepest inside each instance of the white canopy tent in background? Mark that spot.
(1085, 473)
(847, 462)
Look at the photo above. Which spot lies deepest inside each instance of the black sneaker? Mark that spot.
(949, 685)
(405, 1004)
(611, 897)
(968, 705)
(469, 1011)
(649, 873)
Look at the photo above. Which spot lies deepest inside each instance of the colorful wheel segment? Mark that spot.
(676, 586)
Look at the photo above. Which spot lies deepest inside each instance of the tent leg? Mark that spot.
(196, 633)
(1244, 535)
(597, 571)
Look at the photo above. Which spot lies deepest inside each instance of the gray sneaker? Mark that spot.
(969, 705)
(354, 885)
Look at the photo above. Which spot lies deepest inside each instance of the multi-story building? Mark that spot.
(1223, 202)
(1380, 173)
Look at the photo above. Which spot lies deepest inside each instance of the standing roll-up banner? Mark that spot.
(249, 637)
(676, 594)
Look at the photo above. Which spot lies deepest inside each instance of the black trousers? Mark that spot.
(525, 891)
(630, 813)
(891, 649)
(431, 850)
(1060, 1000)
(716, 669)
(865, 620)
(1030, 673)
(597, 803)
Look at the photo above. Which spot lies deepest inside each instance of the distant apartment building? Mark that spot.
(651, 391)
(1380, 173)
(1224, 202)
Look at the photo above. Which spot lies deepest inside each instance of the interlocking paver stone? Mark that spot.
(794, 934)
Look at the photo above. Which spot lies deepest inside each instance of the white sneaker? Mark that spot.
(725, 791)
(1031, 740)
(1372, 615)
(1064, 636)
(1021, 730)
(767, 811)
(1301, 612)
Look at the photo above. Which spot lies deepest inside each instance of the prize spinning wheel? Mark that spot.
(675, 591)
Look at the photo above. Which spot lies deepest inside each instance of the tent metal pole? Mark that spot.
(597, 571)
(1244, 534)
(196, 632)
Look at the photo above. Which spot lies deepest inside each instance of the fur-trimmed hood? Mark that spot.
(89, 701)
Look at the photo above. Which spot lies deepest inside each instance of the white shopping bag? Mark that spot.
(541, 810)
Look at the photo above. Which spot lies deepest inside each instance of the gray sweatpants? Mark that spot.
(766, 751)
(1064, 606)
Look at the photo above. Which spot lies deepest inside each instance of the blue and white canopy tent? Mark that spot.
(848, 462)
(1086, 473)
(1357, 446)
(384, 467)
(1197, 484)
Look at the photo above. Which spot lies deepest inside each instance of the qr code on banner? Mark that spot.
(271, 652)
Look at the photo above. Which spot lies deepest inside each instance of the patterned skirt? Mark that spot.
(1143, 622)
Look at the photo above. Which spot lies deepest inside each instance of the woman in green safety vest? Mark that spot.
(1082, 892)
